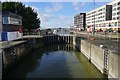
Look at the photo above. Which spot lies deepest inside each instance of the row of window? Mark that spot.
(116, 18)
(100, 10)
(115, 9)
(9, 20)
(106, 25)
(116, 4)
(118, 13)
(96, 15)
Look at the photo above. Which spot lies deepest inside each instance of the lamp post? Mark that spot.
(94, 19)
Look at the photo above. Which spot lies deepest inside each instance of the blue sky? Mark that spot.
(60, 14)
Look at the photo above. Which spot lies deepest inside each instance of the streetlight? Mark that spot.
(94, 19)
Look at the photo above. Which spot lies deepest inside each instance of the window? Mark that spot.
(118, 8)
(114, 18)
(115, 23)
(114, 9)
(118, 18)
(118, 3)
(114, 4)
(5, 20)
(114, 14)
(118, 13)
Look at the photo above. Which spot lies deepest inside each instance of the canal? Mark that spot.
(54, 61)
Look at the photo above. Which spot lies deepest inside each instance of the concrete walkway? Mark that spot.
(110, 42)
(6, 44)
(113, 47)
(99, 35)
(32, 36)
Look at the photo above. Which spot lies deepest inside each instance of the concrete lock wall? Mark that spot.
(13, 53)
(94, 53)
(85, 48)
(97, 57)
(113, 65)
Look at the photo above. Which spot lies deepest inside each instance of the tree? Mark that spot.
(29, 16)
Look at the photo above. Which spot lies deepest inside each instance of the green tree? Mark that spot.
(30, 20)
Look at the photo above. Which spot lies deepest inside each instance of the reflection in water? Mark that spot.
(54, 61)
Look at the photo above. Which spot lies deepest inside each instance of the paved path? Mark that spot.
(102, 35)
(11, 43)
(114, 47)
(109, 42)
(32, 36)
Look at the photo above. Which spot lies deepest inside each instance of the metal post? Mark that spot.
(94, 19)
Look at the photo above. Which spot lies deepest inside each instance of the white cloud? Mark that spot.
(48, 10)
(61, 17)
(67, 20)
(45, 17)
(48, 19)
(78, 5)
(56, 7)
(75, 3)
(83, 3)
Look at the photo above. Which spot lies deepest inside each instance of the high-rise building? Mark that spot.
(105, 17)
(80, 21)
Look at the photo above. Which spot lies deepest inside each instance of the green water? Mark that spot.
(54, 61)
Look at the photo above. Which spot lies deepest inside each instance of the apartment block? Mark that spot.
(105, 17)
(80, 21)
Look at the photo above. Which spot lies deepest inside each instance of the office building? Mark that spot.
(104, 17)
(80, 21)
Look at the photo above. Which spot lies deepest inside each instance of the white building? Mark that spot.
(105, 17)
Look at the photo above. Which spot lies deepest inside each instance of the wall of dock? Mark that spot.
(113, 65)
(58, 39)
(13, 53)
(103, 58)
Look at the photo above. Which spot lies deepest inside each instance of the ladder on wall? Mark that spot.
(106, 58)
